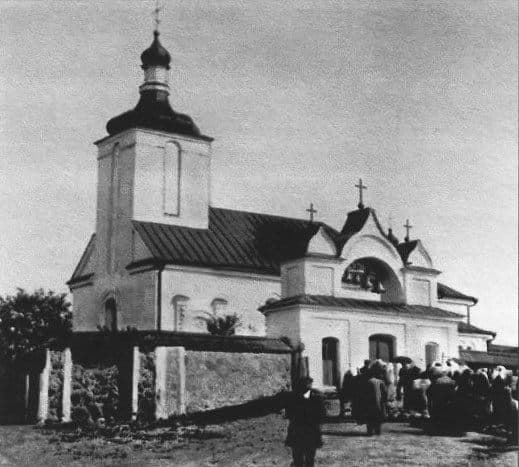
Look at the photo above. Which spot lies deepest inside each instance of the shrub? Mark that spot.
(27, 321)
(221, 325)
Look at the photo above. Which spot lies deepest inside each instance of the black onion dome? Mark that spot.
(155, 54)
(153, 111)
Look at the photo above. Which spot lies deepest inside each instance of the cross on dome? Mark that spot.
(312, 211)
(361, 187)
(156, 12)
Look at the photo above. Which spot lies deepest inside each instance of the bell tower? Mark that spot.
(153, 166)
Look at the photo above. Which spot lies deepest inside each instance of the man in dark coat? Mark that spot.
(357, 401)
(375, 398)
(305, 411)
(346, 393)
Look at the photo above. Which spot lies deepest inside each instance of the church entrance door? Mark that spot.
(381, 346)
(330, 347)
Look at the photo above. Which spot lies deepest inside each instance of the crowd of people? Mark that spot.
(447, 396)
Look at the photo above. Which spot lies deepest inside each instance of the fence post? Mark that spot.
(170, 381)
(43, 399)
(66, 403)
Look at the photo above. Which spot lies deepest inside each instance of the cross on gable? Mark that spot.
(312, 211)
(408, 227)
(361, 187)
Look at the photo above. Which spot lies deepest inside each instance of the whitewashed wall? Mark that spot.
(245, 293)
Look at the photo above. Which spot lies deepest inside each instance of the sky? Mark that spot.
(303, 98)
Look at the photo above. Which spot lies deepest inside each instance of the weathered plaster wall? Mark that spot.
(473, 341)
(244, 294)
(354, 328)
(218, 379)
(135, 296)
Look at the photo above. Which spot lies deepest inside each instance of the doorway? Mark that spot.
(330, 350)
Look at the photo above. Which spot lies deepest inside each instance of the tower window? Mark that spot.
(171, 179)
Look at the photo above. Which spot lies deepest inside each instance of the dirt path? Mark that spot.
(255, 442)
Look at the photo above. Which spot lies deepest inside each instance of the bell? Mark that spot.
(376, 287)
(356, 278)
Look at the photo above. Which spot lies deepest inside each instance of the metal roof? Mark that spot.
(244, 241)
(486, 358)
(418, 311)
(448, 292)
(235, 240)
(470, 329)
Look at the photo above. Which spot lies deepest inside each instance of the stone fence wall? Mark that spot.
(159, 375)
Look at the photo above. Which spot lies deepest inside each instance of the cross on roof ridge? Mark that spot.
(408, 227)
(312, 211)
(361, 187)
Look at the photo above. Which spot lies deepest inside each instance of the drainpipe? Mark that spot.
(468, 310)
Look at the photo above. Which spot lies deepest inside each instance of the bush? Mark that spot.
(221, 325)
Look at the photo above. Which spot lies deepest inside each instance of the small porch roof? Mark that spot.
(419, 311)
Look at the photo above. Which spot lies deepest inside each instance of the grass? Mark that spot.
(249, 442)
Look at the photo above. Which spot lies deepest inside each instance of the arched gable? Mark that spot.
(322, 244)
(368, 245)
(420, 257)
(371, 242)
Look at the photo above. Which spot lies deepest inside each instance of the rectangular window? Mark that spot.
(171, 179)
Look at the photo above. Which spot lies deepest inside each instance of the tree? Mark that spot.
(221, 325)
(28, 321)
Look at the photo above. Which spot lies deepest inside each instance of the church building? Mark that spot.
(162, 257)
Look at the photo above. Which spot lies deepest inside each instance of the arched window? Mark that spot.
(180, 304)
(330, 349)
(432, 353)
(111, 314)
(381, 346)
(219, 305)
(171, 179)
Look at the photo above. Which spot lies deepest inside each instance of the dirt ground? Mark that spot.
(250, 442)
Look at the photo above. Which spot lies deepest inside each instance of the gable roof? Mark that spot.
(420, 311)
(82, 271)
(466, 328)
(448, 292)
(242, 241)
(235, 240)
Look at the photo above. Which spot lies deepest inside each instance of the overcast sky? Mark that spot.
(419, 98)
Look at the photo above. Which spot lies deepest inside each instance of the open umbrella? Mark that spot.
(402, 360)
